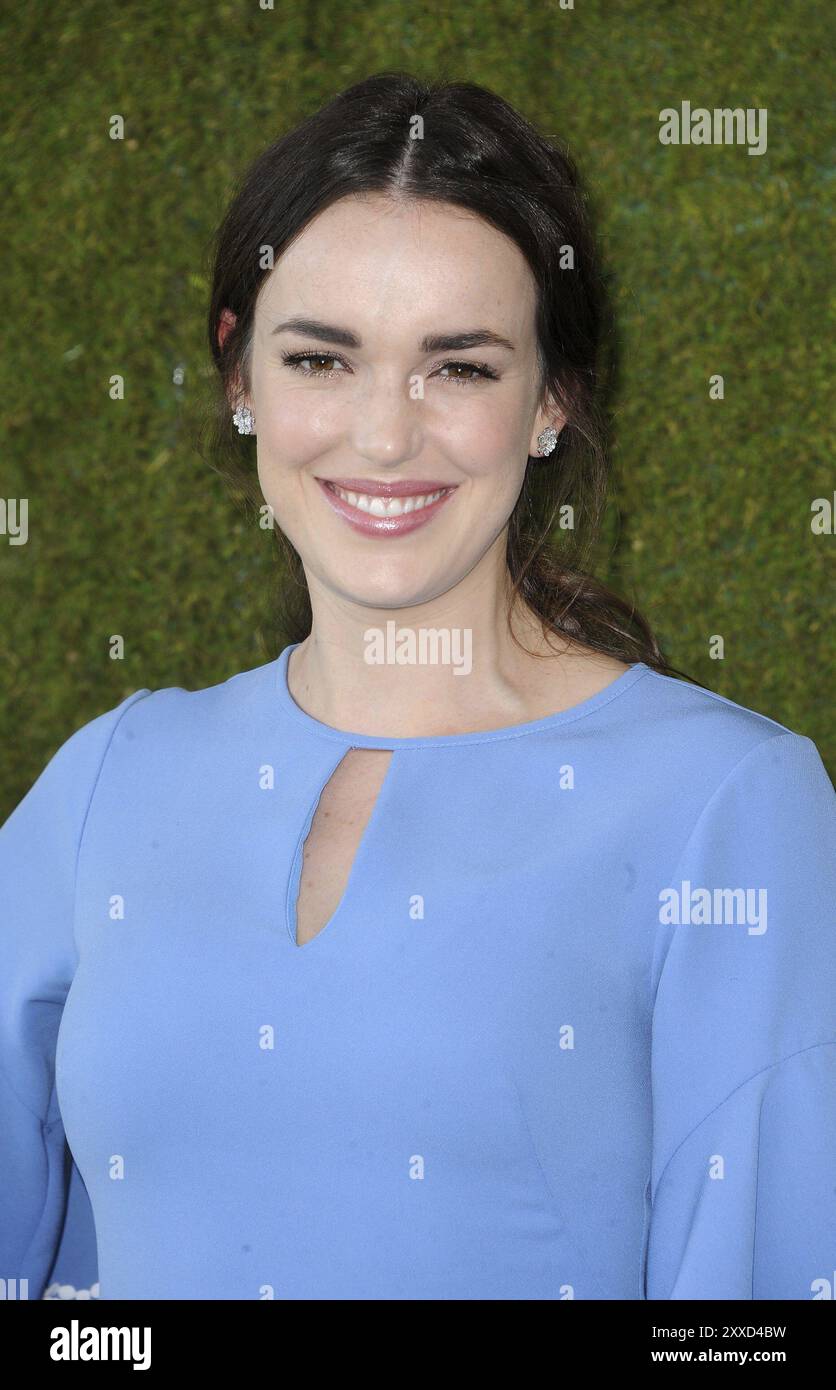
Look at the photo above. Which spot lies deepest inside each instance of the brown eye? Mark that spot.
(298, 361)
(482, 372)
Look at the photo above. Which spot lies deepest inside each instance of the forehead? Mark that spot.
(378, 262)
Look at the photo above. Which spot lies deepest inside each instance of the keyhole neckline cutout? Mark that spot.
(294, 887)
(288, 707)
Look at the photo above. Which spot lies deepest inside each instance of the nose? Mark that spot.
(386, 428)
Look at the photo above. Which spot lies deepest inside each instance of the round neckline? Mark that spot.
(306, 721)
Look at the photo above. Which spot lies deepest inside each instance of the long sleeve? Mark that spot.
(743, 1185)
(46, 1224)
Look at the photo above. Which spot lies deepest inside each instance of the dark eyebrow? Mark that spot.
(435, 342)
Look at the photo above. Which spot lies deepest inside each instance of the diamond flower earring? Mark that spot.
(547, 440)
(244, 419)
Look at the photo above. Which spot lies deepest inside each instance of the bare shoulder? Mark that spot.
(565, 673)
(582, 662)
(604, 666)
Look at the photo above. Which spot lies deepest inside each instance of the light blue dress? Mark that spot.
(571, 1032)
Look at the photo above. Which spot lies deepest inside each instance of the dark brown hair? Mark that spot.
(477, 152)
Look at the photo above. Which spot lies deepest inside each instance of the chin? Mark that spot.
(387, 598)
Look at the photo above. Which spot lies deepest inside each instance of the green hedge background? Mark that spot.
(719, 265)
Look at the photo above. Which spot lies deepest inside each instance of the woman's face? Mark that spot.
(376, 409)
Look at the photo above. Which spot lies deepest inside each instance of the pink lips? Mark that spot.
(370, 525)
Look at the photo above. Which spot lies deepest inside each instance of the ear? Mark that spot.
(227, 323)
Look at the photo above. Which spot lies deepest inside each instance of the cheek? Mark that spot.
(293, 428)
(488, 441)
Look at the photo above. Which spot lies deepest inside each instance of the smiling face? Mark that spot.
(378, 400)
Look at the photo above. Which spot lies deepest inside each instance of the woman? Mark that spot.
(463, 951)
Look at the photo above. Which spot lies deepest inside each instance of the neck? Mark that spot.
(449, 665)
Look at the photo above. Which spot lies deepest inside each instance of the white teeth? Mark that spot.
(387, 506)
